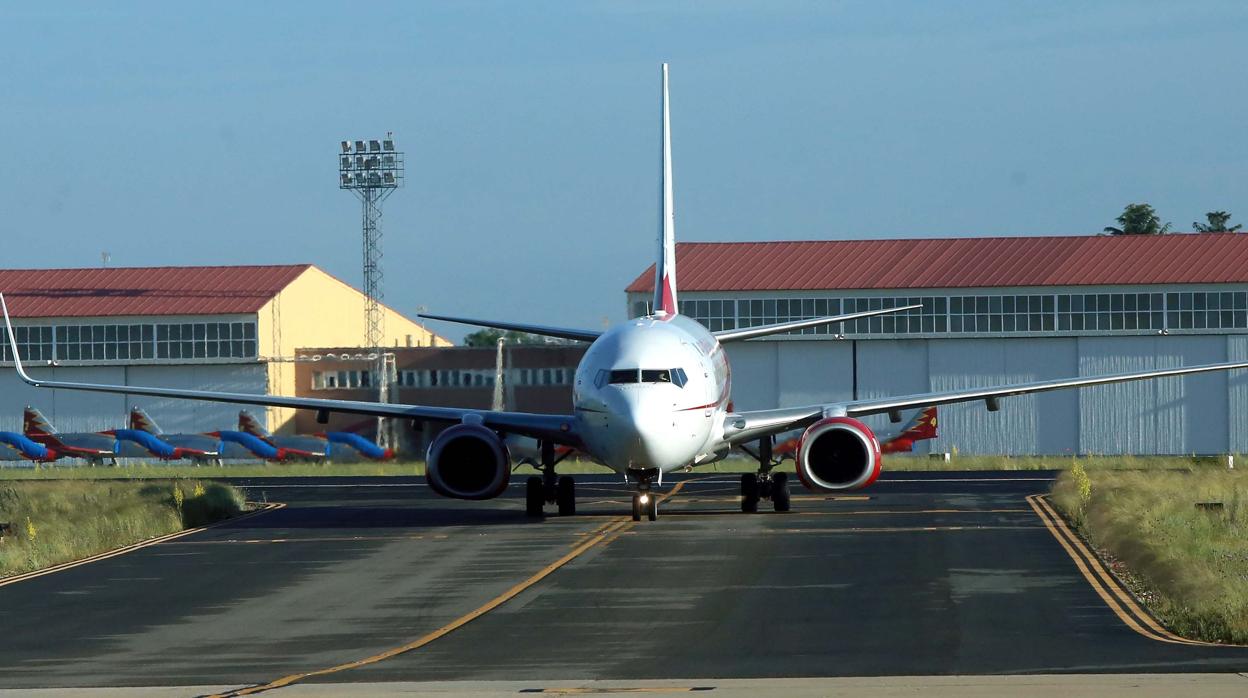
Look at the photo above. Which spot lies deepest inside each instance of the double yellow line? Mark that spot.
(604, 533)
(1104, 583)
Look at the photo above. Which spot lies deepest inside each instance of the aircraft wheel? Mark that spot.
(565, 496)
(652, 508)
(780, 491)
(534, 497)
(636, 507)
(749, 493)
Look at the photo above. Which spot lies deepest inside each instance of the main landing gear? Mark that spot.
(549, 488)
(764, 484)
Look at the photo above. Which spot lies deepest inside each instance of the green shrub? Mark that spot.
(1193, 560)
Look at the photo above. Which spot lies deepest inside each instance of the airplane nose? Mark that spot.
(649, 432)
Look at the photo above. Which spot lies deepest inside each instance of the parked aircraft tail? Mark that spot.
(923, 426)
(35, 424)
(248, 423)
(140, 420)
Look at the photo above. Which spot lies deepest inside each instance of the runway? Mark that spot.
(923, 574)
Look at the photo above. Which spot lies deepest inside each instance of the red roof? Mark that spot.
(958, 263)
(112, 291)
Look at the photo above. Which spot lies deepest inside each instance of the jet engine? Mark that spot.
(838, 453)
(468, 461)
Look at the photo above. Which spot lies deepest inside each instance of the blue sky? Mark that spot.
(173, 133)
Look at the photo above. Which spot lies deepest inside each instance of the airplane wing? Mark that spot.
(745, 426)
(557, 428)
(543, 330)
(777, 328)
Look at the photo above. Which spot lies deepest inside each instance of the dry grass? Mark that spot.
(55, 522)
(1191, 564)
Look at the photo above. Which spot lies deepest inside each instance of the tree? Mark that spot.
(489, 337)
(1217, 223)
(1139, 219)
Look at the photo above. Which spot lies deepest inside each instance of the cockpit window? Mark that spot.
(676, 376)
(624, 375)
(656, 375)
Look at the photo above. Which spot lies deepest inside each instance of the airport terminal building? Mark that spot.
(228, 328)
(994, 310)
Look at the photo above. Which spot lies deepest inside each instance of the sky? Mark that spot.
(207, 133)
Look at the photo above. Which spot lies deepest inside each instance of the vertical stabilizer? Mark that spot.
(665, 267)
(141, 421)
(35, 424)
(248, 424)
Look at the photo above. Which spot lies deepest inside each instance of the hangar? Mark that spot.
(994, 310)
(231, 328)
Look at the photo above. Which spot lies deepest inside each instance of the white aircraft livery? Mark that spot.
(651, 395)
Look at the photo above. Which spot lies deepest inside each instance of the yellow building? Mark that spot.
(231, 328)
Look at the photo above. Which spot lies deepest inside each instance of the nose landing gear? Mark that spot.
(764, 484)
(644, 501)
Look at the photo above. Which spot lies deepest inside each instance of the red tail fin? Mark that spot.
(247, 423)
(923, 426)
(35, 424)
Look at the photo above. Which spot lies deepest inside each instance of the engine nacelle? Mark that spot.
(468, 461)
(838, 453)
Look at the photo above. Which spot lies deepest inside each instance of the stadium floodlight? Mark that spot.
(372, 177)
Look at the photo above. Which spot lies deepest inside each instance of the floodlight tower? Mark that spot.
(372, 170)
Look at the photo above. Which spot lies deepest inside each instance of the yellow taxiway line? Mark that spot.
(1104, 583)
(602, 535)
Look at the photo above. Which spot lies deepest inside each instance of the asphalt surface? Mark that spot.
(923, 574)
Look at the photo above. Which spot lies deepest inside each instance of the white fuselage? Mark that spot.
(651, 394)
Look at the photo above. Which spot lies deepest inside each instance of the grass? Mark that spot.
(1189, 565)
(55, 522)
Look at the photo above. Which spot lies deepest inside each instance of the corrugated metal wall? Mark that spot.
(1197, 414)
(73, 411)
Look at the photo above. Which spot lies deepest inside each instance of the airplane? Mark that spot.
(15, 446)
(354, 443)
(920, 428)
(240, 444)
(291, 447)
(144, 431)
(93, 447)
(650, 396)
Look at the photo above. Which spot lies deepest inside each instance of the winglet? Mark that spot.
(665, 266)
(17, 359)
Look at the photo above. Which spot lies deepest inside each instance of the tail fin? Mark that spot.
(140, 421)
(35, 424)
(665, 267)
(247, 423)
(923, 426)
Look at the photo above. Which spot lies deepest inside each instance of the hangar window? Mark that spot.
(1108, 312)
